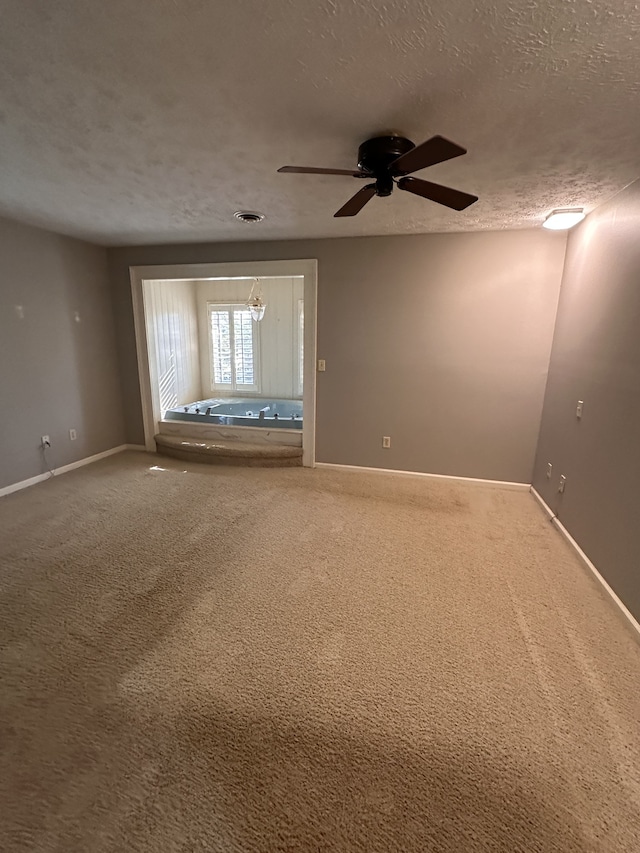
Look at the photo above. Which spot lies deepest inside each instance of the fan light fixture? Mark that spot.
(256, 303)
(559, 220)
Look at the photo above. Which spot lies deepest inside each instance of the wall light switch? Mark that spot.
(579, 408)
(386, 441)
(72, 435)
(321, 365)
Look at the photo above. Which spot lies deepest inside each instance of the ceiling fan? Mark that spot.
(390, 160)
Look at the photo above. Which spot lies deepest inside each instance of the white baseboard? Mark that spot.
(39, 478)
(587, 562)
(504, 484)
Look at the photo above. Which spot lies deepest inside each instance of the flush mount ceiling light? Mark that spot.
(559, 220)
(248, 216)
(256, 303)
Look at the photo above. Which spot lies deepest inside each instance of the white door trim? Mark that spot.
(307, 267)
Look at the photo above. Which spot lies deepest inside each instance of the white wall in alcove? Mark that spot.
(279, 330)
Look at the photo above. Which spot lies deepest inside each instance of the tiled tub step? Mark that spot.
(217, 452)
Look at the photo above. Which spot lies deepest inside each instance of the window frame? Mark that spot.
(234, 388)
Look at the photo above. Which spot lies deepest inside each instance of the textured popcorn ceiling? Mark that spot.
(132, 121)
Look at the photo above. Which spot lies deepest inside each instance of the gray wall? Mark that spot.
(596, 358)
(55, 373)
(441, 341)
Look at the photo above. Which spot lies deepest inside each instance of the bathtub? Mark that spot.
(250, 412)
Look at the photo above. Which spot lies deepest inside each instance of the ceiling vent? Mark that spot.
(248, 216)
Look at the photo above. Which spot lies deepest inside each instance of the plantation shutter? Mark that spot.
(243, 340)
(233, 348)
(221, 340)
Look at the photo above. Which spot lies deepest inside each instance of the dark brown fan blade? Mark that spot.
(358, 201)
(434, 150)
(310, 170)
(435, 192)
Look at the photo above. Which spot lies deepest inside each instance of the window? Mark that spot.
(234, 348)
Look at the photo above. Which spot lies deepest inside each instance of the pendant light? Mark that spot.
(256, 303)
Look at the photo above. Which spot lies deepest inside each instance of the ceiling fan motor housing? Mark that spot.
(376, 155)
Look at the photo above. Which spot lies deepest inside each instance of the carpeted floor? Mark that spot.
(294, 660)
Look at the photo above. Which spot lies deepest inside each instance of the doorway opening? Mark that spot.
(213, 365)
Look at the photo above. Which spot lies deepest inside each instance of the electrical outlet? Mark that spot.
(45, 441)
(579, 408)
(563, 481)
(72, 435)
(321, 365)
(386, 441)
(549, 470)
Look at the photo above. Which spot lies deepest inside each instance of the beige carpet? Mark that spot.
(293, 660)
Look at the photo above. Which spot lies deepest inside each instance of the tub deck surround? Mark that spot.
(219, 444)
(206, 431)
(229, 452)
